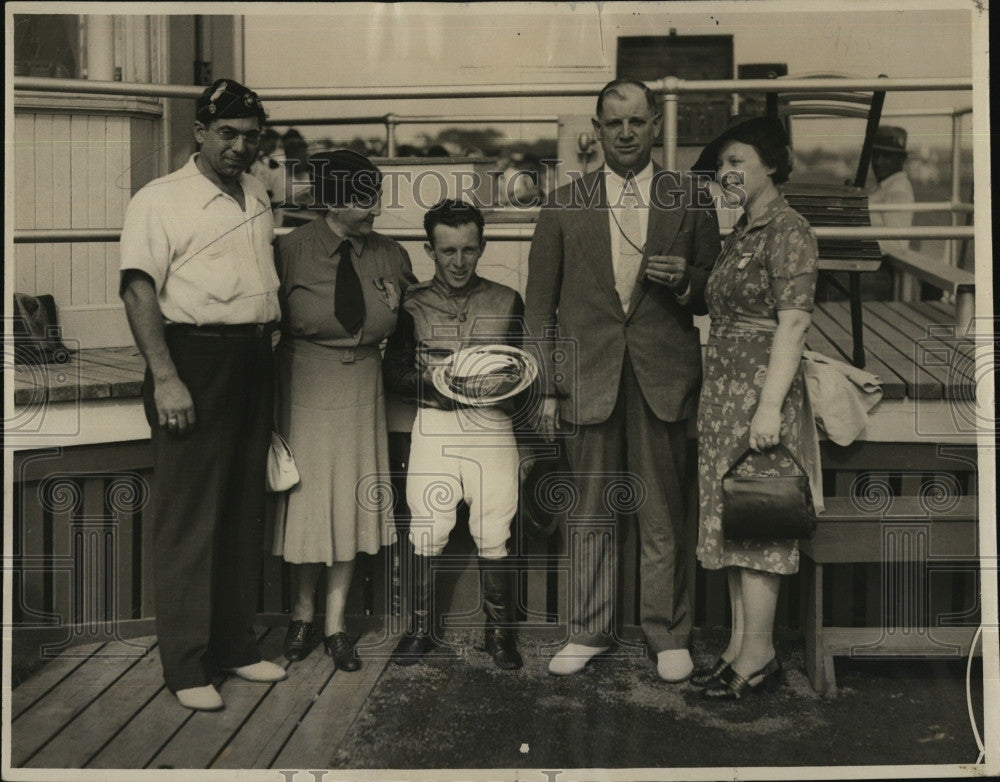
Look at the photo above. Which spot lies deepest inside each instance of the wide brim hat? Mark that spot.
(889, 138)
(342, 175)
(748, 130)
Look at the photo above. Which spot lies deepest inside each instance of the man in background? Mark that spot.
(894, 187)
(295, 198)
(266, 168)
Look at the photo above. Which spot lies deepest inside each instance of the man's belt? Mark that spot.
(227, 330)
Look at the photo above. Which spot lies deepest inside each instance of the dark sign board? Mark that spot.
(700, 116)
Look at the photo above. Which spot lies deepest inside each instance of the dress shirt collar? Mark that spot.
(207, 191)
(614, 184)
(332, 239)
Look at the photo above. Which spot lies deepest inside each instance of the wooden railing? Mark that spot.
(83, 551)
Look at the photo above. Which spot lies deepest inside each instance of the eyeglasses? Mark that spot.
(229, 135)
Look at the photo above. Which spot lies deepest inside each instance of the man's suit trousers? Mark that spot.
(206, 505)
(632, 462)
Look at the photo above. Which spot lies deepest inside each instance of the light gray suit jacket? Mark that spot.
(574, 316)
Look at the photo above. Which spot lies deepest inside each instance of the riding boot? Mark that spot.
(418, 639)
(498, 605)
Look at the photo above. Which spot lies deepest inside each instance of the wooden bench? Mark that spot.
(905, 511)
(836, 205)
(957, 283)
(913, 347)
(91, 373)
(915, 524)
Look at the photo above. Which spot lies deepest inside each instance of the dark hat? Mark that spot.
(547, 495)
(758, 131)
(341, 175)
(228, 99)
(889, 138)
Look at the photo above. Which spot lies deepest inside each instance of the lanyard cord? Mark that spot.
(637, 248)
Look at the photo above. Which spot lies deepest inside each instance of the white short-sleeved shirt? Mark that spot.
(894, 189)
(211, 262)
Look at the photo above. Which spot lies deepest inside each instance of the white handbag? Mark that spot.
(282, 474)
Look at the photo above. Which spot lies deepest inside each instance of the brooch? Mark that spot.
(387, 292)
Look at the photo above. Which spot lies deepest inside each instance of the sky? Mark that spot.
(360, 45)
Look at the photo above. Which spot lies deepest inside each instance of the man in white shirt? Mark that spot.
(201, 295)
(894, 187)
(617, 267)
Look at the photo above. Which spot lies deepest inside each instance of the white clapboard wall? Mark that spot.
(76, 167)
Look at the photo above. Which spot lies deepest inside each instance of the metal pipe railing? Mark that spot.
(956, 182)
(670, 87)
(943, 112)
(393, 121)
(924, 206)
(422, 119)
(669, 84)
(516, 232)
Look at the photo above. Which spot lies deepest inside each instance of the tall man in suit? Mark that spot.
(617, 267)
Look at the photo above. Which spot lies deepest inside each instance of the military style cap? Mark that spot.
(228, 99)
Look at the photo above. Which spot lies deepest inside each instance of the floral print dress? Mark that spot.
(765, 266)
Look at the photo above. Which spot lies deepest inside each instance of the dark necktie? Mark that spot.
(348, 298)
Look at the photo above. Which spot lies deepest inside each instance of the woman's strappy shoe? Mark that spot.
(712, 676)
(767, 678)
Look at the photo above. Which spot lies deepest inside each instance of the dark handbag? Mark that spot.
(36, 331)
(767, 507)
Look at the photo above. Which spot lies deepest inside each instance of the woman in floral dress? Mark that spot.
(760, 298)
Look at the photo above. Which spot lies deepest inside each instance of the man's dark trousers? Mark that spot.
(207, 505)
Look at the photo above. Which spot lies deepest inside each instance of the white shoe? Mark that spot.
(674, 665)
(205, 698)
(573, 658)
(263, 671)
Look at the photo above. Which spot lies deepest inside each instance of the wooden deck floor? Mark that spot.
(105, 706)
(908, 345)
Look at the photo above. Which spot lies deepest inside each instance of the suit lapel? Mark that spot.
(660, 232)
(593, 228)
